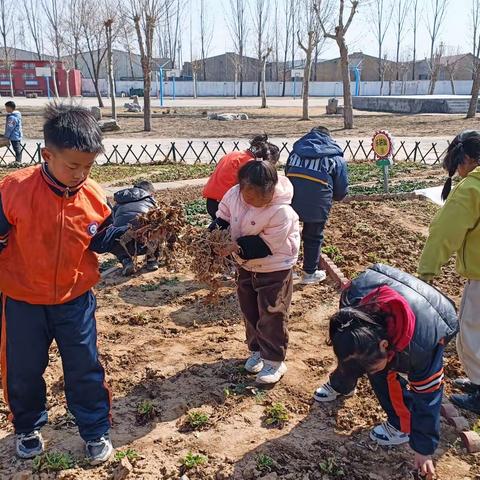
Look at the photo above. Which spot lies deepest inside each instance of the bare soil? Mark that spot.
(277, 122)
(160, 343)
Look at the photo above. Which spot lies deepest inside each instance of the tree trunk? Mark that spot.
(111, 80)
(347, 95)
(10, 78)
(67, 79)
(194, 78)
(54, 80)
(306, 77)
(235, 81)
(241, 71)
(147, 111)
(472, 108)
(264, 89)
(452, 84)
(97, 92)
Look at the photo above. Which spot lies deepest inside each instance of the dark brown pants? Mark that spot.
(265, 299)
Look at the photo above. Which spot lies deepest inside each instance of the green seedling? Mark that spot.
(107, 264)
(331, 467)
(146, 412)
(276, 415)
(131, 454)
(197, 420)
(264, 463)
(192, 460)
(149, 287)
(53, 462)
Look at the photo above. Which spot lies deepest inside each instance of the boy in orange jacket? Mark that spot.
(53, 218)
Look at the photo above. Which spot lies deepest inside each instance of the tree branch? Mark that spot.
(352, 14)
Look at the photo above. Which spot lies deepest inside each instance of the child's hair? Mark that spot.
(71, 127)
(465, 143)
(10, 104)
(324, 130)
(145, 185)
(260, 147)
(259, 174)
(357, 332)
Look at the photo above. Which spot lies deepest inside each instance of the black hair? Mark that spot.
(260, 147)
(10, 104)
(324, 130)
(71, 127)
(260, 174)
(357, 332)
(465, 143)
(145, 185)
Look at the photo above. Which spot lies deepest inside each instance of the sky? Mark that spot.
(455, 33)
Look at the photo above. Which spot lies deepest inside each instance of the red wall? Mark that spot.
(32, 83)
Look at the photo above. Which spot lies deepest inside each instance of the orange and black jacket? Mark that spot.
(49, 236)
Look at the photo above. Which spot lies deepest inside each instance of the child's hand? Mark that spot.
(228, 249)
(424, 465)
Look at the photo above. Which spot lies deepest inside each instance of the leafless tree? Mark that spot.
(196, 68)
(435, 19)
(434, 64)
(53, 10)
(289, 6)
(340, 30)
(264, 69)
(238, 26)
(309, 39)
(6, 31)
(402, 7)
(235, 59)
(147, 15)
(452, 62)
(475, 26)
(34, 23)
(206, 35)
(260, 19)
(111, 81)
(276, 36)
(170, 29)
(415, 20)
(72, 31)
(381, 13)
(126, 39)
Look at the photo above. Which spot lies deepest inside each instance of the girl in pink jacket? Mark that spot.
(266, 239)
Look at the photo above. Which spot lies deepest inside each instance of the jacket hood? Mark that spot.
(16, 113)
(316, 144)
(283, 192)
(133, 194)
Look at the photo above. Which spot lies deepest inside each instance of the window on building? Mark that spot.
(423, 76)
(31, 82)
(29, 76)
(29, 66)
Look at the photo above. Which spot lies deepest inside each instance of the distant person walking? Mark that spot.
(13, 129)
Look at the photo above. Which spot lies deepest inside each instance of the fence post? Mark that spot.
(174, 152)
(39, 152)
(415, 152)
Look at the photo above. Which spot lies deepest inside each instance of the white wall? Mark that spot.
(274, 89)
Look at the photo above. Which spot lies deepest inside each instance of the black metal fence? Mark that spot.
(210, 152)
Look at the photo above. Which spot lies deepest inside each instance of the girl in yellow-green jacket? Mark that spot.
(456, 229)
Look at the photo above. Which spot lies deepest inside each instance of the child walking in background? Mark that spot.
(225, 174)
(266, 239)
(456, 229)
(13, 129)
(53, 218)
(129, 204)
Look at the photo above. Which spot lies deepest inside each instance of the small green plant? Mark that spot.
(149, 287)
(276, 415)
(331, 467)
(234, 390)
(146, 412)
(53, 462)
(197, 420)
(107, 264)
(192, 460)
(264, 463)
(129, 453)
(260, 396)
(334, 253)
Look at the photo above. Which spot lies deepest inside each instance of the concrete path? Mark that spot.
(196, 182)
(433, 193)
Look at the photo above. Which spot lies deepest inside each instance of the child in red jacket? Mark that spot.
(53, 218)
(225, 175)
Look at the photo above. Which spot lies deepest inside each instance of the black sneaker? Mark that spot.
(467, 401)
(152, 265)
(466, 385)
(29, 445)
(99, 450)
(128, 267)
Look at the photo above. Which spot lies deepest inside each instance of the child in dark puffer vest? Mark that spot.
(129, 204)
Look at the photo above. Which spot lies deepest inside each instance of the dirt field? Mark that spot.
(277, 122)
(167, 354)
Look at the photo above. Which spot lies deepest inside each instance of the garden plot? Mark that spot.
(183, 403)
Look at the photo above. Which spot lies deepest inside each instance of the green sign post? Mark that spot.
(382, 145)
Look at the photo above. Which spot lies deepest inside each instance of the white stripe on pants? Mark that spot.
(468, 338)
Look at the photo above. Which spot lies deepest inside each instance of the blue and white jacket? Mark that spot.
(13, 126)
(318, 172)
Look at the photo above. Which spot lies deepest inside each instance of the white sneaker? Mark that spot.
(29, 445)
(271, 372)
(312, 278)
(326, 393)
(387, 435)
(254, 364)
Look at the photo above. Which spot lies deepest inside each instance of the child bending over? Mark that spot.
(266, 239)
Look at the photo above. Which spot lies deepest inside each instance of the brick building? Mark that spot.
(25, 79)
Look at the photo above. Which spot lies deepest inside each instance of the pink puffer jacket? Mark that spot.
(277, 224)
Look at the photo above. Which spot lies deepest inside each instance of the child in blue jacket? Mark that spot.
(13, 129)
(318, 172)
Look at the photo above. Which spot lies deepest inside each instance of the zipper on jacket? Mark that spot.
(60, 236)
